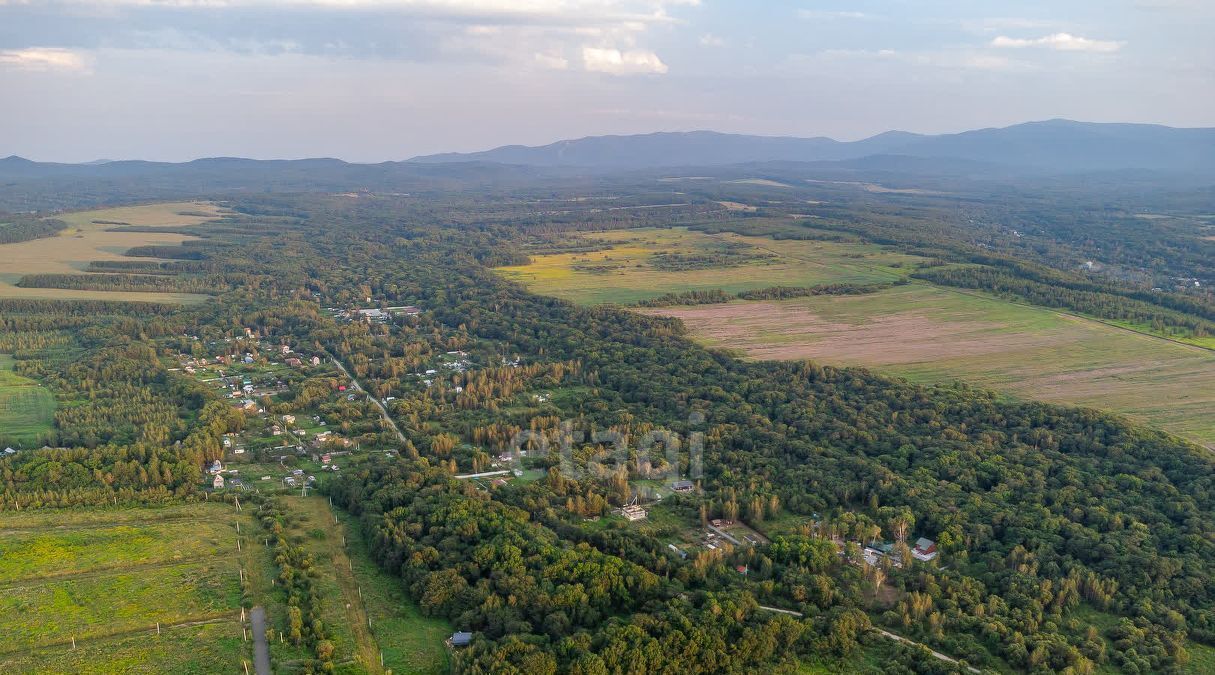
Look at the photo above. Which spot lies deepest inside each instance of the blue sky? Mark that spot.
(370, 80)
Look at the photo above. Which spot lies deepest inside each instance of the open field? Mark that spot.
(629, 271)
(105, 578)
(932, 334)
(412, 644)
(86, 240)
(341, 609)
(27, 409)
(191, 649)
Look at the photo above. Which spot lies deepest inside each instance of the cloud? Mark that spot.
(1064, 42)
(711, 40)
(551, 61)
(617, 62)
(945, 59)
(829, 14)
(516, 34)
(995, 24)
(44, 59)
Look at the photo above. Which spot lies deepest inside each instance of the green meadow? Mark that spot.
(27, 409)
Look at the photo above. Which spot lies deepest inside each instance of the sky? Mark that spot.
(375, 80)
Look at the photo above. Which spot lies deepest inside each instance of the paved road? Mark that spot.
(383, 411)
(261, 650)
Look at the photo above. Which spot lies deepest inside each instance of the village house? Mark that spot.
(216, 467)
(460, 639)
(316, 361)
(925, 549)
(683, 486)
(218, 483)
(633, 512)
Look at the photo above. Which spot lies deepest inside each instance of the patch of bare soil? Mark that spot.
(784, 331)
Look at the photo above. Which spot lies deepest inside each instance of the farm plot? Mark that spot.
(90, 236)
(930, 334)
(104, 580)
(27, 409)
(645, 263)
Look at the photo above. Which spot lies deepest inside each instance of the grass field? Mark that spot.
(365, 609)
(412, 644)
(932, 334)
(625, 271)
(27, 409)
(86, 240)
(105, 578)
(189, 650)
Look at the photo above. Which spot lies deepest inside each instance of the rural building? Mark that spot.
(925, 549)
(216, 466)
(633, 512)
(460, 639)
(294, 362)
(218, 483)
(683, 486)
(316, 360)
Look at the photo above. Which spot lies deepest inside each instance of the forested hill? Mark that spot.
(1069, 540)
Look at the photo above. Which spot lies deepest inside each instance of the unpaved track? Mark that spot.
(261, 650)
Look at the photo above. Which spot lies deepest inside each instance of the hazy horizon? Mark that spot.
(378, 80)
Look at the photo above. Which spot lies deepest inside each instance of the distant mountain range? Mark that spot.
(1053, 145)
(1050, 153)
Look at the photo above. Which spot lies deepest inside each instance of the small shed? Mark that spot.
(460, 639)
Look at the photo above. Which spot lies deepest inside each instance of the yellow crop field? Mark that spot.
(89, 237)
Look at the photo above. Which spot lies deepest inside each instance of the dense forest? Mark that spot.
(16, 228)
(1047, 516)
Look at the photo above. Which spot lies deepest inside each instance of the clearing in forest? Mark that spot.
(644, 263)
(366, 610)
(27, 409)
(933, 334)
(106, 577)
(90, 236)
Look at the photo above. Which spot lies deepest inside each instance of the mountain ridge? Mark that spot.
(1056, 144)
